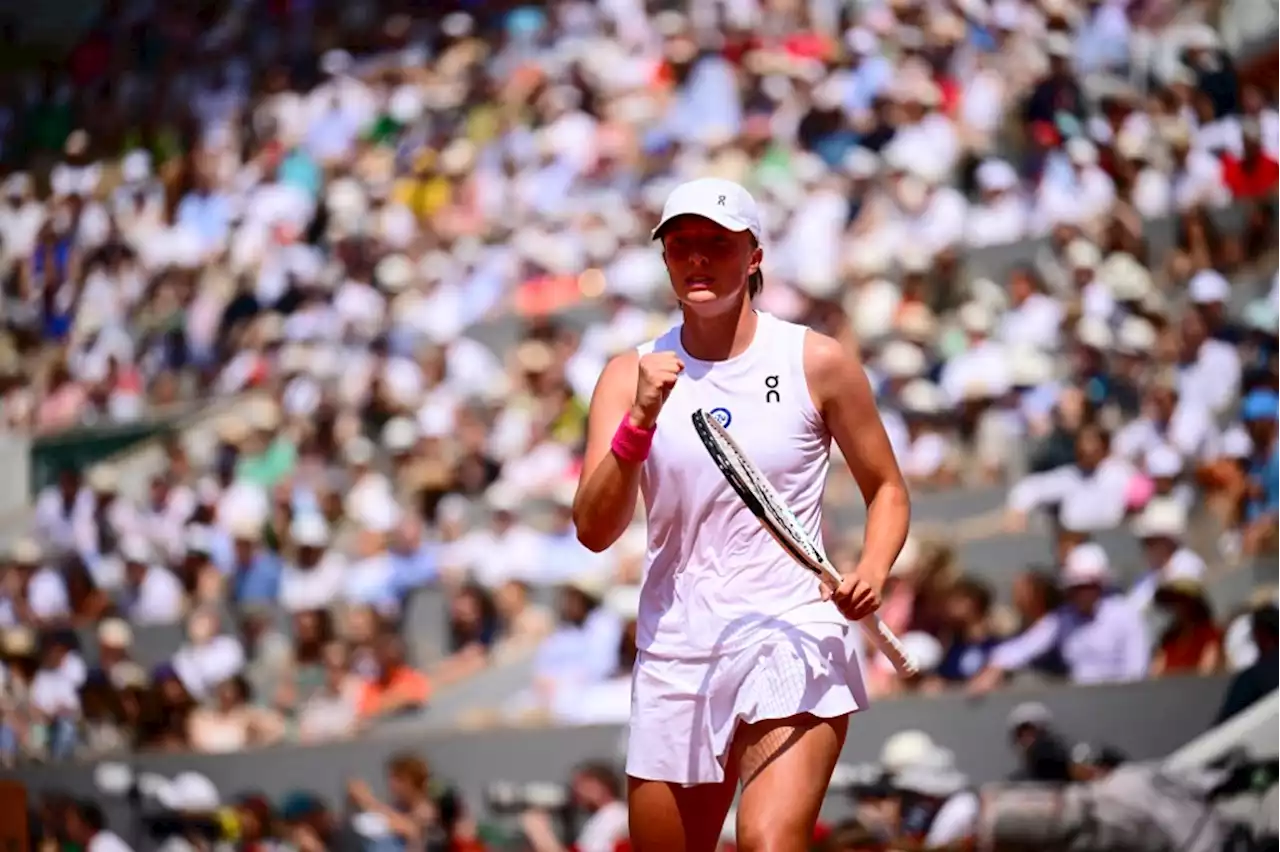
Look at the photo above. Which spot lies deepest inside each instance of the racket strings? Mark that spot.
(762, 486)
(769, 497)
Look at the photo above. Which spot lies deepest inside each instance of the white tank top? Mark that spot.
(714, 578)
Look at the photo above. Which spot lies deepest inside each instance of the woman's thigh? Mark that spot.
(785, 766)
(667, 817)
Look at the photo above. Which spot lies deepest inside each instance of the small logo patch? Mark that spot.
(722, 416)
(720, 201)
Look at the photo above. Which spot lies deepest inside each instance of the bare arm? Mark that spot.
(843, 395)
(608, 486)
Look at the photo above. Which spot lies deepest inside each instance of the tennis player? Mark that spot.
(746, 670)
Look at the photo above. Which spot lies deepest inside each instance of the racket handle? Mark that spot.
(889, 644)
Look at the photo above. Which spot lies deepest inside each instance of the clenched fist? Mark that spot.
(658, 373)
(855, 597)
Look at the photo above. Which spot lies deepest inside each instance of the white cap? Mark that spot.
(1028, 713)
(1136, 336)
(1058, 45)
(26, 551)
(1093, 332)
(922, 397)
(1163, 462)
(1162, 518)
(358, 451)
(135, 548)
(722, 201)
(502, 497)
(1208, 286)
(924, 648)
(103, 480)
(309, 530)
(904, 749)
(1030, 368)
(1236, 444)
(996, 176)
(1184, 564)
(1082, 254)
(935, 775)
(975, 318)
(902, 360)
(189, 792)
(1086, 564)
(1082, 152)
(400, 434)
(115, 633)
(623, 601)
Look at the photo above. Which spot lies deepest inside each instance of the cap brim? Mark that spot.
(729, 223)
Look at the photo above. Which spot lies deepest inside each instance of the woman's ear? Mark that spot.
(757, 257)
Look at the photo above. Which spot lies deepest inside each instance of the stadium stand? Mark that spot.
(301, 304)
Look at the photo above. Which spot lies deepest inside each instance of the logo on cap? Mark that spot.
(721, 201)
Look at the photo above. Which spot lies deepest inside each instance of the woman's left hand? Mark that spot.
(856, 597)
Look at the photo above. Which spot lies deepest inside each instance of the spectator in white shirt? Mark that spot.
(985, 362)
(87, 827)
(1161, 527)
(1151, 192)
(1000, 215)
(1083, 259)
(1033, 318)
(38, 592)
(209, 656)
(598, 791)
(55, 695)
(56, 509)
(927, 450)
(506, 549)
(1168, 420)
(1210, 371)
(102, 517)
(1101, 637)
(151, 594)
(314, 577)
(1095, 485)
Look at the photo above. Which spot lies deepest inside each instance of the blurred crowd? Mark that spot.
(407, 244)
(1062, 794)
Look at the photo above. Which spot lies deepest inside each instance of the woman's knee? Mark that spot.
(667, 817)
(773, 832)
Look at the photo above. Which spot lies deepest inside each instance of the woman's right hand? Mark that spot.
(657, 376)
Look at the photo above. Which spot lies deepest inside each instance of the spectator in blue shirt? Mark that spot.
(1262, 506)
(583, 649)
(206, 214)
(971, 640)
(414, 562)
(255, 571)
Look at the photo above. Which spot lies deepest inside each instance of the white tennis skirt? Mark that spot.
(684, 710)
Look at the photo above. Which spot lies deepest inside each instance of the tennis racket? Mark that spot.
(751, 485)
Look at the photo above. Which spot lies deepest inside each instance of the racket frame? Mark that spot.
(710, 431)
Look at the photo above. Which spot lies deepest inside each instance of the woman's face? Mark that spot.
(466, 609)
(1026, 596)
(172, 692)
(360, 624)
(306, 626)
(1157, 552)
(1089, 449)
(961, 610)
(228, 695)
(708, 265)
(510, 598)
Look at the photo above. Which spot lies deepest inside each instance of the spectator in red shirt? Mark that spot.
(1254, 174)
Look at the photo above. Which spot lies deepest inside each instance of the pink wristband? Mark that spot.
(631, 443)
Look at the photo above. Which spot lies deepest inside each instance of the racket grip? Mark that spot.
(889, 644)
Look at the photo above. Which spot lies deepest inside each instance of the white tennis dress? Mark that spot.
(730, 628)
